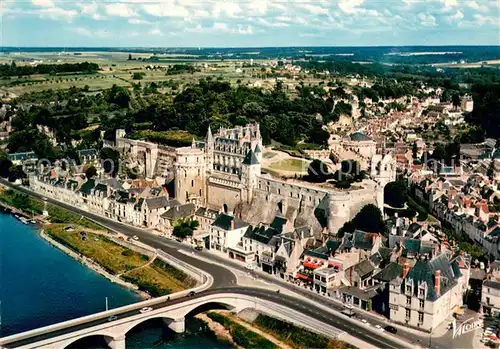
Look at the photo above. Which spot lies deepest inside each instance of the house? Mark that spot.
(89, 157)
(176, 213)
(21, 158)
(205, 217)
(490, 292)
(148, 211)
(226, 236)
(427, 294)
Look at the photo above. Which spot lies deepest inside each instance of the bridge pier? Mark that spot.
(117, 343)
(176, 325)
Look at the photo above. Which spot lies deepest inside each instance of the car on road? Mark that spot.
(364, 321)
(112, 318)
(349, 306)
(378, 327)
(146, 310)
(390, 329)
(198, 248)
(249, 267)
(135, 237)
(191, 294)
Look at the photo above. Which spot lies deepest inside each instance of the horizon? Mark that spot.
(249, 23)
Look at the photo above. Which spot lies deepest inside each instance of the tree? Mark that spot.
(185, 228)
(91, 172)
(455, 100)
(439, 152)
(111, 160)
(318, 171)
(491, 170)
(414, 150)
(369, 219)
(129, 56)
(396, 194)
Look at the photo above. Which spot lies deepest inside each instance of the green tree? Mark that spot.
(414, 150)
(318, 171)
(111, 160)
(396, 194)
(185, 228)
(129, 56)
(491, 170)
(91, 172)
(369, 219)
(455, 100)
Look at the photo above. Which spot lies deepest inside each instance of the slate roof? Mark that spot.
(425, 271)
(179, 211)
(359, 137)
(206, 212)
(160, 201)
(87, 186)
(413, 228)
(324, 251)
(278, 223)
(224, 222)
(87, 152)
(261, 234)
(492, 284)
(389, 273)
(363, 240)
(23, 156)
(112, 183)
(101, 187)
(364, 268)
(257, 149)
(250, 159)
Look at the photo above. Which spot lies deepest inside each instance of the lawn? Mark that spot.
(160, 279)
(114, 258)
(292, 165)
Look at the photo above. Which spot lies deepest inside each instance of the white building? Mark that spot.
(226, 234)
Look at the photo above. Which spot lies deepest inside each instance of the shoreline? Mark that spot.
(83, 260)
(90, 264)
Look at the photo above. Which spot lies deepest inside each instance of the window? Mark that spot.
(408, 314)
(408, 288)
(487, 300)
(408, 300)
(420, 318)
(192, 183)
(421, 303)
(199, 172)
(421, 292)
(200, 192)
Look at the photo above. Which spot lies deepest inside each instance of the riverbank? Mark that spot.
(94, 266)
(251, 329)
(89, 243)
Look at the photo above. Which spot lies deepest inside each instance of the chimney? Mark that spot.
(406, 269)
(438, 282)
(232, 224)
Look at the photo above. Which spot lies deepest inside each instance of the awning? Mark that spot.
(311, 265)
(304, 277)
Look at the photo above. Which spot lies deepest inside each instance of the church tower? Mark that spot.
(383, 171)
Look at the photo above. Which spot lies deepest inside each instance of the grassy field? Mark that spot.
(156, 278)
(111, 256)
(297, 337)
(161, 278)
(292, 165)
(241, 335)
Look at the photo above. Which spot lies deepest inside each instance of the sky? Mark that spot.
(248, 23)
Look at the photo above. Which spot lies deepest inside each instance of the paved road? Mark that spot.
(225, 278)
(379, 340)
(222, 276)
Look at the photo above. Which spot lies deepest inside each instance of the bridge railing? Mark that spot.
(196, 273)
(207, 281)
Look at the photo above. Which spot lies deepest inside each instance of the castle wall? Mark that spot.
(220, 194)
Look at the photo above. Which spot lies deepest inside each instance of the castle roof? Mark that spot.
(257, 149)
(250, 159)
(359, 137)
(224, 220)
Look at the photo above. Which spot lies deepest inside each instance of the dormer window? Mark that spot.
(408, 288)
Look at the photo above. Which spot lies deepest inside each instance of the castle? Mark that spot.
(224, 173)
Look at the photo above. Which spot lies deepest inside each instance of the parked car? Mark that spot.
(146, 310)
(390, 329)
(349, 306)
(112, 318)
(191, 294)
(378, 327)
(249, 266)
(198, 248)
(135, 237)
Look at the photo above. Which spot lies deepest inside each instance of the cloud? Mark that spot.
(459, 15)
(450, 3)
(56, 13)
(156, 32)
(314, 9)
(259, 7)
(475, 6)
(166, 9)
(222, 27)
(273, 24)
(230, 9)
(284, 18)
(90, 9)
(244, 30)
(350, 6)
(480, 19)
(138, 21)
(43, 3)
(120, 10)
(427, 20)
(82, 31)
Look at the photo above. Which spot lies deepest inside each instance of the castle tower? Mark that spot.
(339, 211)
(209, 150)
(190, 175)
(250, 171)
(383, 171)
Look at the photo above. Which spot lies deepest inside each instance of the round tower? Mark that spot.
(190, 177)
(339, 211)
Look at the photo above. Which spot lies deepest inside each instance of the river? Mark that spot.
(40, 285)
